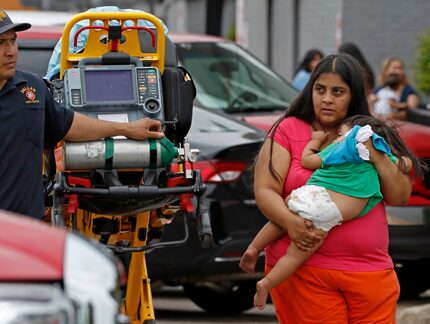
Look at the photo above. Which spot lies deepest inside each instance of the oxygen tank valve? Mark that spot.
(189, 172)
(193, 155)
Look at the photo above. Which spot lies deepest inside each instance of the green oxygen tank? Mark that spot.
(118, 154)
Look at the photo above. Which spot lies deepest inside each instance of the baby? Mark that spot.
(386, 96)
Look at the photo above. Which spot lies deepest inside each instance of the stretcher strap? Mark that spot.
(109, 153)
(152, 153)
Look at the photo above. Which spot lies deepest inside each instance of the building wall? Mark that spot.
(385, 28)
(190, 15)
(283, 39)
(316, 28)
(196, 16)
(379, 27)
(256, 13)
(317, 25)
(228, 18)
(273, 44)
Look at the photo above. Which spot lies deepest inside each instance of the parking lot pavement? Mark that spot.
(414, 311)
(414, 314)
(171, 306)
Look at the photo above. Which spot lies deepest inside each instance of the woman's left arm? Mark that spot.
(395, 185)
(413, 101)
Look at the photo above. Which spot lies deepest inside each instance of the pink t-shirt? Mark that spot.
(357, 245)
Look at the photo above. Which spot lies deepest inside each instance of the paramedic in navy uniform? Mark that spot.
(31, 119)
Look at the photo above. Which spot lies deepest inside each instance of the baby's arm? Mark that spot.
(310, 158)
(398, 105)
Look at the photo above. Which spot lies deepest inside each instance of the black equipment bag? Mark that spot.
(179, 92)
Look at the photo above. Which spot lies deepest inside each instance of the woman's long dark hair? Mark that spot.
(350, 71)
(389, 132)
(306, 62)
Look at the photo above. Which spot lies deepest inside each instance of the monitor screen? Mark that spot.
(108, 85)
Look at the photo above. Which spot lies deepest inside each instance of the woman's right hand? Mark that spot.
(302, 232)
(268, 195)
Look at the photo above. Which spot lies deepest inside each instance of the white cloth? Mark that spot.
(363, 135)
(314, 203)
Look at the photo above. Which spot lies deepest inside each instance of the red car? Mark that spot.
(49, 275)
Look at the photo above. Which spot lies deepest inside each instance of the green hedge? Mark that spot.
(422, 68)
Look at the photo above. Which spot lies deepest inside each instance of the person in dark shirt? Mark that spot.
(30, 119)
(394, 68)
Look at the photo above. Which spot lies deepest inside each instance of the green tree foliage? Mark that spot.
(422, 68)
(231, 33)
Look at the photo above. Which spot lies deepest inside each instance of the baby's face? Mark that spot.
(341, 132)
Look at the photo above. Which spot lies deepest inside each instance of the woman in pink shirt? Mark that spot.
(350, 278)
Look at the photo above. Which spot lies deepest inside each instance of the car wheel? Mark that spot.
(222, 298)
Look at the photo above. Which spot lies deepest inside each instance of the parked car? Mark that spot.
(49, 275)
(230, 79)
(231, 82)
(227, 148)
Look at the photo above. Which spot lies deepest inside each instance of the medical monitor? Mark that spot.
(108, 86)
(108, 89)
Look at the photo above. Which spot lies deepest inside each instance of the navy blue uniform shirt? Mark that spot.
(29, 119)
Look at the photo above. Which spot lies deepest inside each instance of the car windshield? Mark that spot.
(229, 78)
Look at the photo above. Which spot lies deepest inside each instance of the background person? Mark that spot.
(353, 50)
(385, 98)
(31, 119)
(337, 283)
(304, 70)
(394, 68)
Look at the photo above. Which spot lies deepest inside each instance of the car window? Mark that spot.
(229, 78)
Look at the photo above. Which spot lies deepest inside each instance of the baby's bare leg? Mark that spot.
(285, 266)
(269, 233)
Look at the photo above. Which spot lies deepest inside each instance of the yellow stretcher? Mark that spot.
(118, 191)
